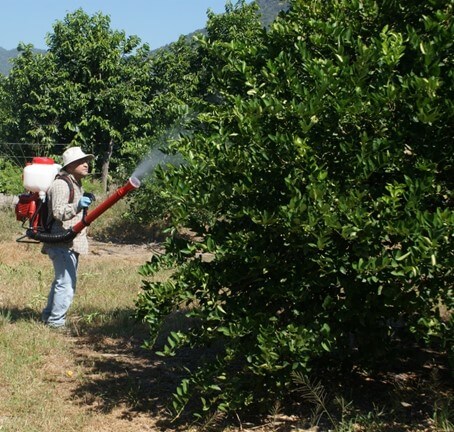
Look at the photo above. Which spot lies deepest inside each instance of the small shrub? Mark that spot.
(10, 178)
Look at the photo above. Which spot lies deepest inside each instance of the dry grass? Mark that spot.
(51, 381)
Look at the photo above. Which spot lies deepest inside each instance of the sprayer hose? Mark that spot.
(47, 237)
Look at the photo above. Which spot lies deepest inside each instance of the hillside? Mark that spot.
(5, 56)
(268, 10)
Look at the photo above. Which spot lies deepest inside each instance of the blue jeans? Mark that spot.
(63, 287)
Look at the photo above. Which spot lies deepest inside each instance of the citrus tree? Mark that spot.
(318, 191)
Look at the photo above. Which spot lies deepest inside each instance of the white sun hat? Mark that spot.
(74, 154)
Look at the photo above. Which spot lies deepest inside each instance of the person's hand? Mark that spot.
(84, 202)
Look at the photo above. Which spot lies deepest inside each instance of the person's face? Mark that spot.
(79, 169)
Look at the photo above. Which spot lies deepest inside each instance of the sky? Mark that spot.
(156, 22)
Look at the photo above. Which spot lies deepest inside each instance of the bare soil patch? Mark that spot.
(140, 252)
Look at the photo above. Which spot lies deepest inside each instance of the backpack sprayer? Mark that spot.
(38, 177)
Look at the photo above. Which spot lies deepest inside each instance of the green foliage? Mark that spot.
(30, 98)
(319, 181)
(6, 57)
(89, 89)
(10, 178)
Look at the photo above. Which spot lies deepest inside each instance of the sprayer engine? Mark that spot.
(48, 237)
(26, 206)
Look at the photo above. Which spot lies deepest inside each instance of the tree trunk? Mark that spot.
(105, 165)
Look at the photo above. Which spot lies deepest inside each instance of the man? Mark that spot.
(66, 208)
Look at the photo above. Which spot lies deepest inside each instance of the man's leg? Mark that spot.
(63, 287)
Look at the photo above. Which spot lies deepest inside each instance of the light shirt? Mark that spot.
(66, 214)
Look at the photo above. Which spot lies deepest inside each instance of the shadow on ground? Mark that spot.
(123, 374)
(122, 377)
(123, 232)
(19, 314)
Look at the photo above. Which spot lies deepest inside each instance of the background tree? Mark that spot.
(176, 94)
(108, 82)
(90, 88)
(31, 92)
(320, 180)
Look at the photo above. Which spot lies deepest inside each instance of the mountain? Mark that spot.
(7, 55)
(268, 10)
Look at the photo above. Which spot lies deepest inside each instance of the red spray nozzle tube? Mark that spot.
(132, 184)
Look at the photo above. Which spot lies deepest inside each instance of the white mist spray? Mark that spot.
(156, 156)
(153, 159)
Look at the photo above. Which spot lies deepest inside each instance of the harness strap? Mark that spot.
(70, 185)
